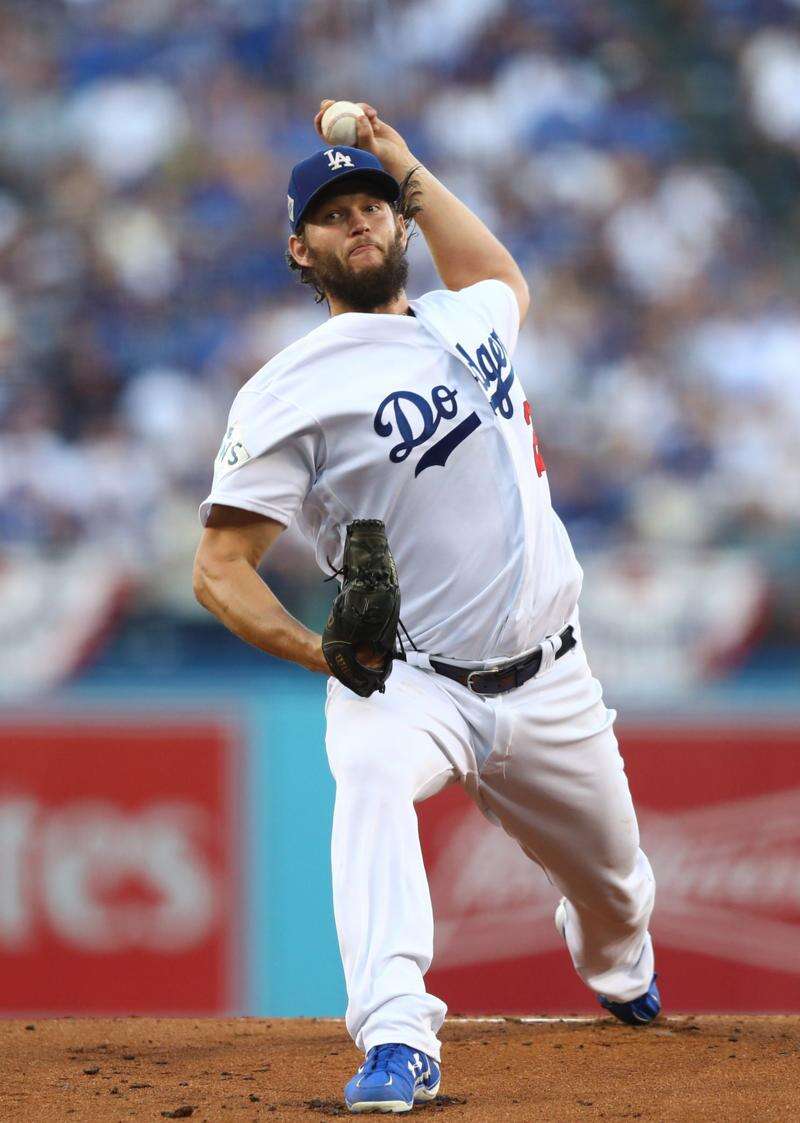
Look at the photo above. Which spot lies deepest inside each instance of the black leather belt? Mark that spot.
(507, 676)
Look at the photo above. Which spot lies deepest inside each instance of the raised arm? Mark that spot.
(226, 582)
(464, 250)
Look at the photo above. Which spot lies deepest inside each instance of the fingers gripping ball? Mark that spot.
(339, 122)
(366, 610)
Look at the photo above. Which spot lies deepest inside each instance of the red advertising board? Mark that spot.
(118, 867)
(719, 814)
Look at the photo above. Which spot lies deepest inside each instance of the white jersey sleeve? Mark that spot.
(269, 457)
(494, 302)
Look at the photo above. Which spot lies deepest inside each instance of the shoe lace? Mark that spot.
(384, 1058)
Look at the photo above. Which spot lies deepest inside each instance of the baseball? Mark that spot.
(339, 122)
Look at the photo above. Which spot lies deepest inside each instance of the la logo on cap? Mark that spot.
(338, 160)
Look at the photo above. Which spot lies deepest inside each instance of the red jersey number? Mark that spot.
(538, 459)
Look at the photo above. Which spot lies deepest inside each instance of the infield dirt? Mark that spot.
(693, 1068)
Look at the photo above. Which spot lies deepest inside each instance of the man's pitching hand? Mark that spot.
(377, 137)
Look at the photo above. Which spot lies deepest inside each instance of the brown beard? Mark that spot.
(369, 288)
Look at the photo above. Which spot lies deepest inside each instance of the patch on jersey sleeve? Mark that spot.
(232, 452)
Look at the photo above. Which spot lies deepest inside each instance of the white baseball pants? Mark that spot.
(543, 761)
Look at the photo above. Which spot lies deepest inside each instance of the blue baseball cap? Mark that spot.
(310, 177)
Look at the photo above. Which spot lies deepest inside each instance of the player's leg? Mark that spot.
(557, 784)
(386, 753)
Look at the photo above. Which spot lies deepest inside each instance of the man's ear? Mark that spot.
(401, 226)
(299, 250)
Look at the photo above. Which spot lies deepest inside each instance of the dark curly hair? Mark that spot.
(407, 205)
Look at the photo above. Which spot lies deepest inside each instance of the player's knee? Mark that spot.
(626, 899)
(623, 905)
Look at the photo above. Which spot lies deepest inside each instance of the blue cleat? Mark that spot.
(639, 1011)
(392, 1079)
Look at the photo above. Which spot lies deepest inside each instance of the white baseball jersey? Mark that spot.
(419, 421)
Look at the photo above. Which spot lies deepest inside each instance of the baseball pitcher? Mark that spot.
(399, 437)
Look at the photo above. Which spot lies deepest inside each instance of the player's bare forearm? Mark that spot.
(245, 604)
(463, 248)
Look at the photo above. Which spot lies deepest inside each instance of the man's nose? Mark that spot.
(359, 224)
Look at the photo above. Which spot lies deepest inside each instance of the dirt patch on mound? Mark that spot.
(695, 1068)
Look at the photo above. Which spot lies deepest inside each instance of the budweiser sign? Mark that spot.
(719, 816)
(722, 872)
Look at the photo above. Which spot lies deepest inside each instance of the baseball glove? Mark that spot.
(364, 615)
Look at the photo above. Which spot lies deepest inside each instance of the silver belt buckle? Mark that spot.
(473, 689)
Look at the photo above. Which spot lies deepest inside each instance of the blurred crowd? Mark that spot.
(642, 162)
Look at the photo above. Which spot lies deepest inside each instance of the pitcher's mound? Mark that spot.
(693, 1069)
